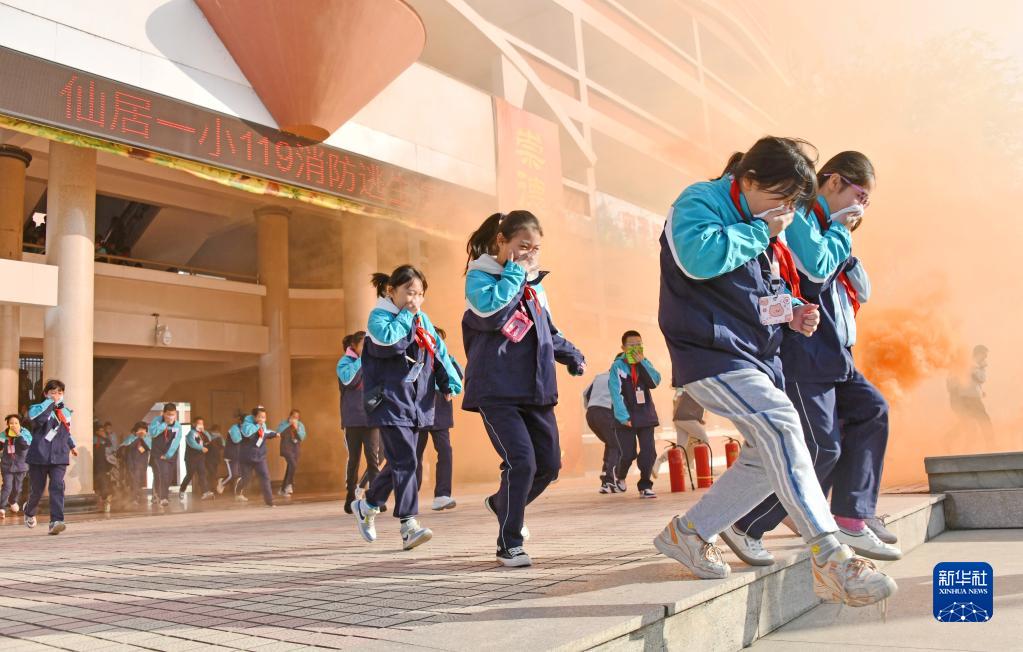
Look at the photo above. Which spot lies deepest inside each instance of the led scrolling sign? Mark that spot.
(54, 95)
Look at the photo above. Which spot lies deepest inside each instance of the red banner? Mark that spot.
(528, 161)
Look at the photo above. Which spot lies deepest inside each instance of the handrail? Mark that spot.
(186, 269)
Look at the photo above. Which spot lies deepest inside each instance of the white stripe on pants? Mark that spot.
(774, 460)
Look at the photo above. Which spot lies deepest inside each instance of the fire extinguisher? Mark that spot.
(675, 466)
(731, 451)
(704, 465)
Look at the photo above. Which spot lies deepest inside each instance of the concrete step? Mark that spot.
(983, 471)
(983, 509)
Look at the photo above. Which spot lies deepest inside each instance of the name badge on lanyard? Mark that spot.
(775, 309)
(517, 326)
(640, 394)
(259, 438)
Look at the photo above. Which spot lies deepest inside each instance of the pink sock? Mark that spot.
(850, 524)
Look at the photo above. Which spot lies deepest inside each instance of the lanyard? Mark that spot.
(843, 278)
(529, 294)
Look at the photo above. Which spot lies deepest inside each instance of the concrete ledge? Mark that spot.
(985, 471)
(984, 509)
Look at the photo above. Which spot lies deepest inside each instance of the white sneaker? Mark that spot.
(181, 496)
(207, 495)
(240, 499)
(3, 514)
(620, 485)
(14, 508)
(30, 521)
(443, 502)
(876, 523)
(703, 559)
(220, 485)
(866, 543)
(164, 502)
(280, 492)
(605, 489)
(647, 493)
(290, 490)
(413, 534)
(57, 527)
(747, 548)
(524, 532)
(364, 518)
(851, 580)
(514, 557)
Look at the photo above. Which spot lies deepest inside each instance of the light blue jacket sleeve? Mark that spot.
(703, 244)
(389, 333)
(192, 441)
(299, 429)
(235, 433)
(655, 375)
(454, 378)
(347, 368)
(43, 409)
(492, 302)
(857, 276)
(157, 426)
(818, 254)
(614, 386)
(249, 429)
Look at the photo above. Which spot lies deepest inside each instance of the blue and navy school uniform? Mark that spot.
(252, 438)
(627, 383)
(291, 448)
(440, 431)
(195, 460)
(165, 440)
(844, 417)
(232, 453)
(360, 439)
(400, 373)
(513, 385)
(135, 452)
(49, 455)
(101, 466)
(13, 463)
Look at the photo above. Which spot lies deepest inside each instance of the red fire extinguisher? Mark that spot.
(704, 465)
(731, 451)
(675, 466)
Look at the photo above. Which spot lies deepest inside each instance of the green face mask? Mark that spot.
(630, 353)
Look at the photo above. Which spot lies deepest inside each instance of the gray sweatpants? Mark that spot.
(774, 460)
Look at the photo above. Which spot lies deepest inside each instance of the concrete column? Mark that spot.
(275, 364)
(13, 163)
(358, 263)
(68, 327)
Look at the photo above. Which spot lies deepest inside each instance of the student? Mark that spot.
(252, 454)
(843, 416)
(630, 381)
(197, 447)
(720, 269)
(135, 453)
(214, 456)
(102, 483)
(440, 430)
(292, 432)
(165, 437)
(600, 417)
(402, 363)
(231, 457)
(512, 344)
(360, 439)
(13, 465)
(49, 454)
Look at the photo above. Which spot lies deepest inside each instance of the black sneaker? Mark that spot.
(514, 557)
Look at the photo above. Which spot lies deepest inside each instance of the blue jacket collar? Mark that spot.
(384, 303)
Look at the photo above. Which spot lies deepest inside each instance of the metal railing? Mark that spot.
(128, 261)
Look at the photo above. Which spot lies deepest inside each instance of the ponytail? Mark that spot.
(346, 343)
(484, 239)
(379, 281)
(733, 162)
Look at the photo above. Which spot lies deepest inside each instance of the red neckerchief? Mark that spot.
(635, 376)
(843, 278)
(63, 421)
(529, 294)
(782, 255)
(259, 435)
(425, 340)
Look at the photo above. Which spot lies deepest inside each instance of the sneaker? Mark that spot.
(443, 502)
(876, 524)
(220, 485)
(107, 506)
(181, 496)
(14, 508)
(30, 521)
(57, 527)
(164, 502)
(290, 490)
(413, 534)
(605, 489)
(360, 493)
(620, 485)
(851, 580)
(3, 514)
(514, 557)
(703, 559)
(364, 517)
(207, 495)
(747, 548)
(647, 493)
(280, 492)
(238, 498)
(524, 532)
(867, 544)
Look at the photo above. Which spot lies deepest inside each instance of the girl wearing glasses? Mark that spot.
(723, 310)
(844, 417)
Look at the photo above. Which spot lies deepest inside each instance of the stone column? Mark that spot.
(358, 263)
(68, 327)
(13, 163)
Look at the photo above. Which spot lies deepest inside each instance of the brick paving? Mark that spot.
(299, 576)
